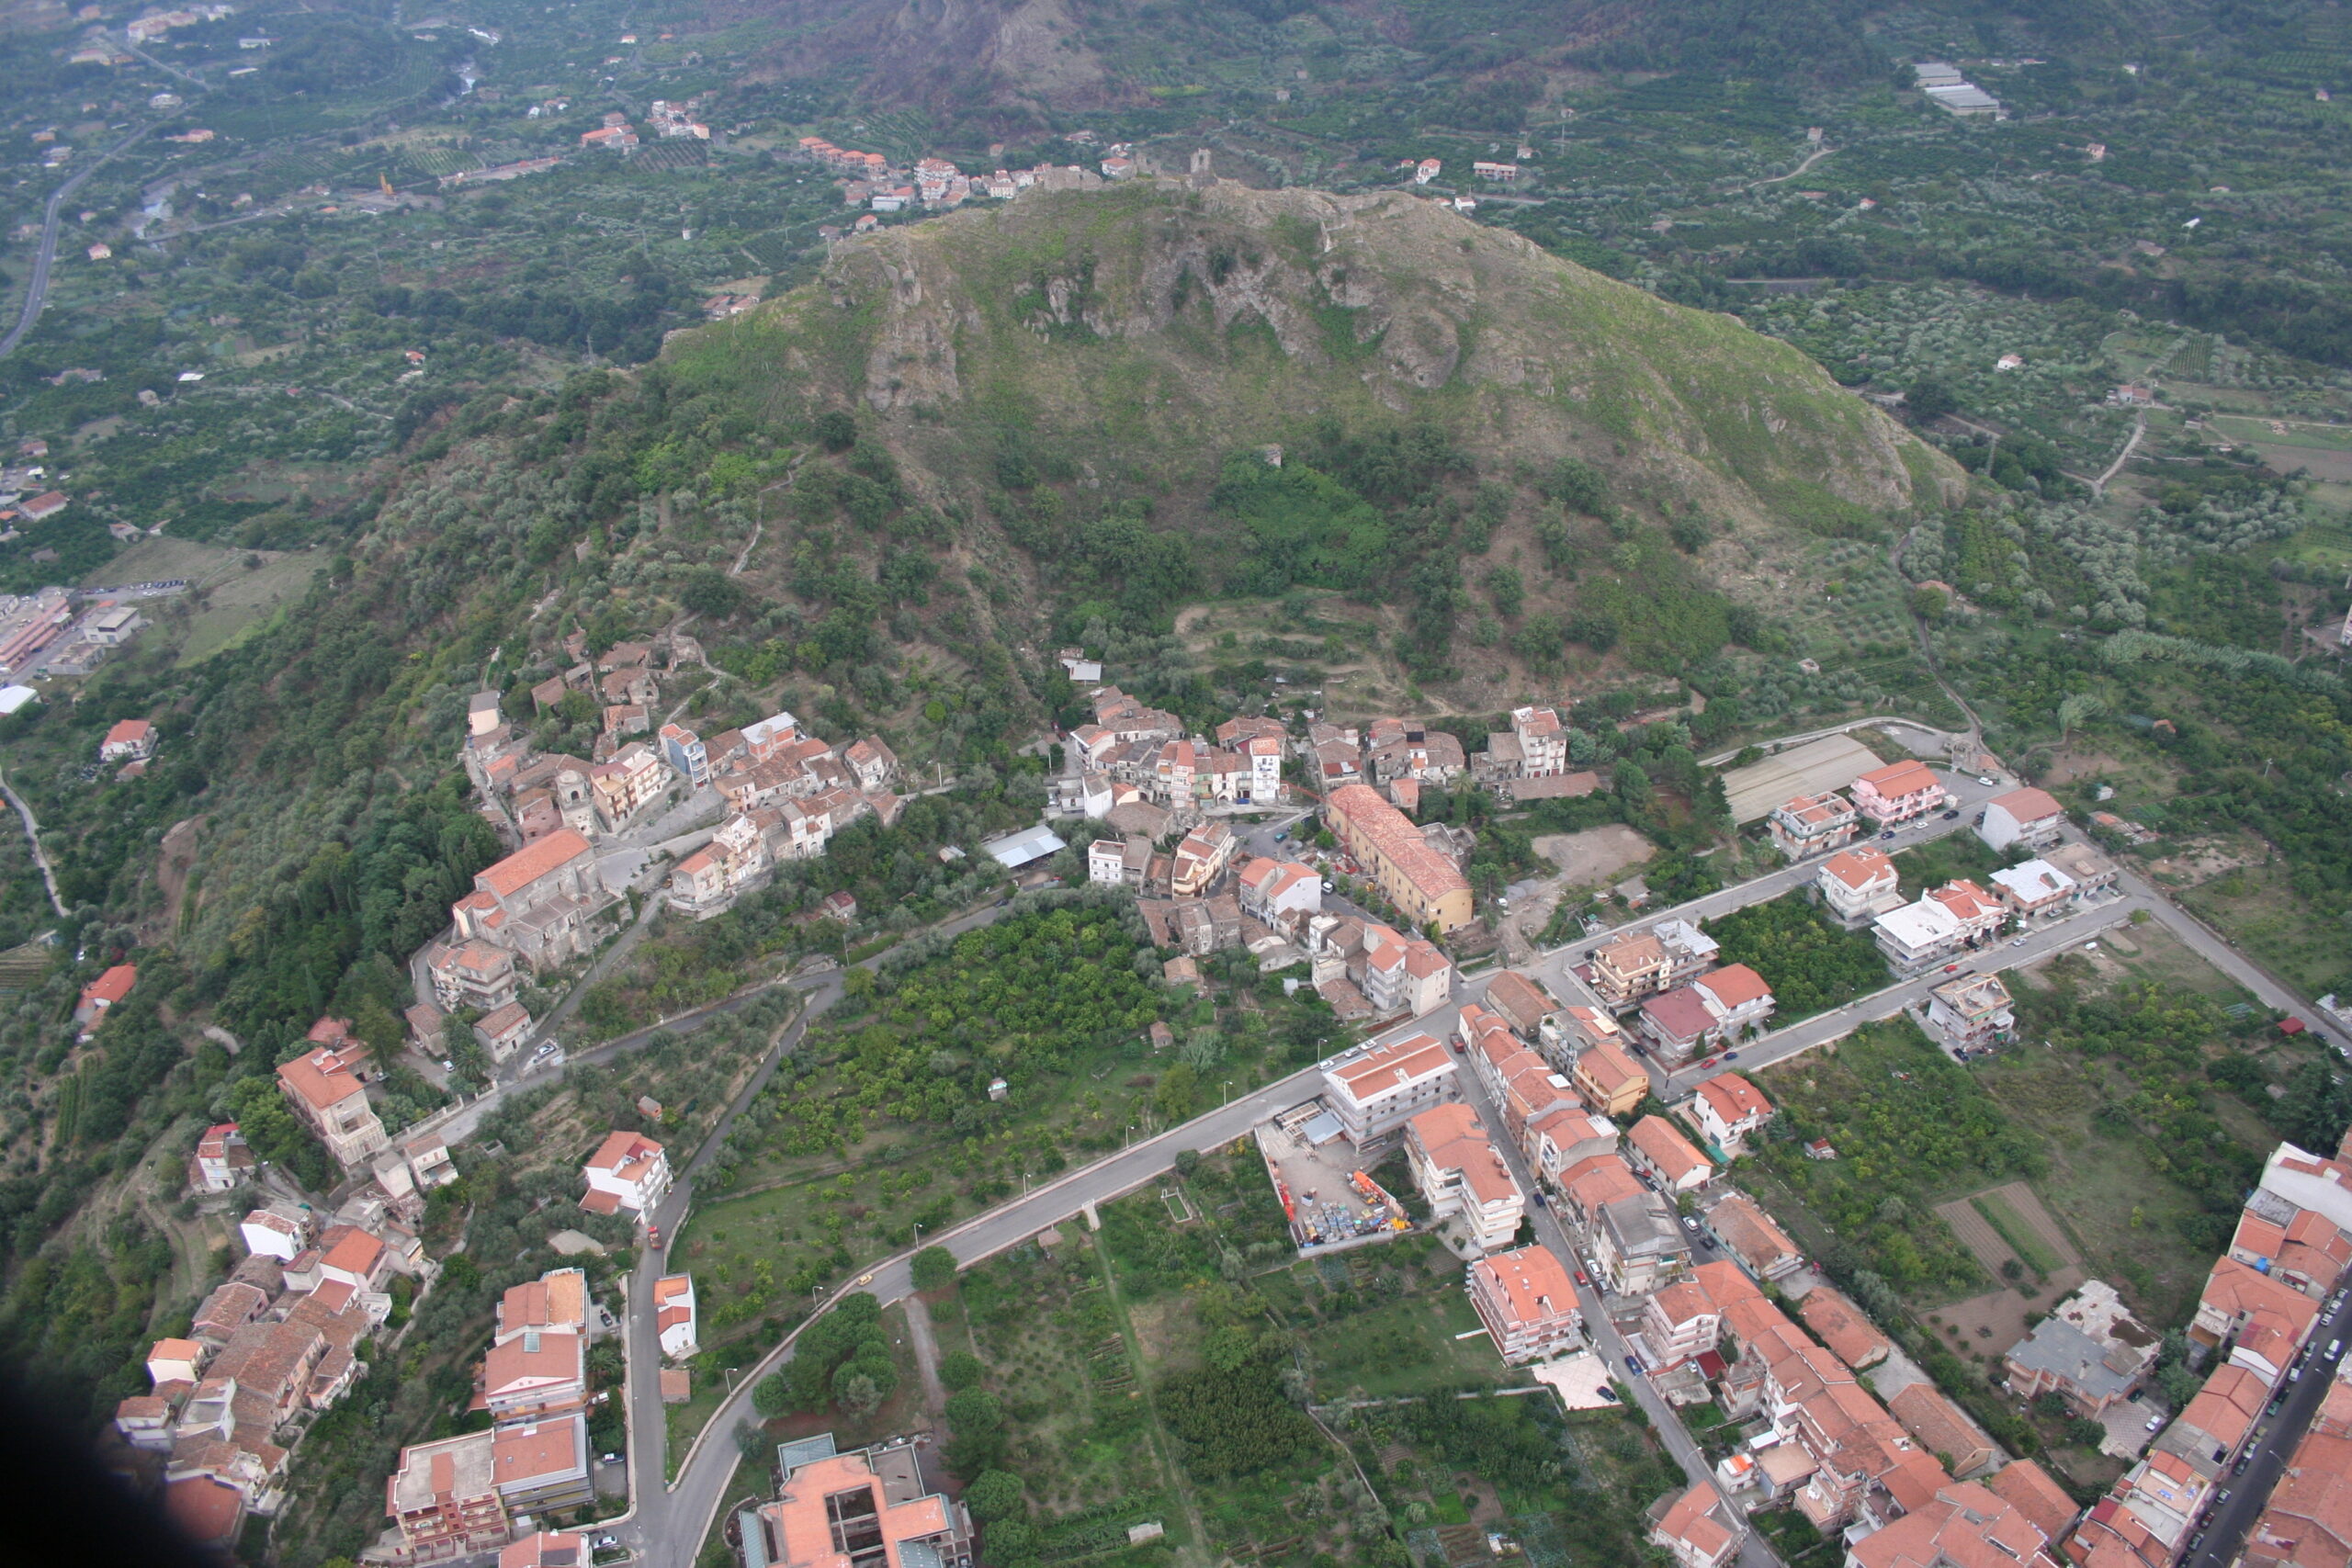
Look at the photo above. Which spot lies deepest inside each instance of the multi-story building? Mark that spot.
(867, 1508)
(543, 1465)
(1738, 997)
(1522, 1004)
(683, 751)
(1858, 884)
(633, 780)
(707, 881)
(1610, 1081)
(1726, 1108)
(2029, 816)
(1277, 892)
(472, 974)
(1528, 1304)
(2091, 1350)
(1638, 1245)
(1913, 936)
(1900, 791)
(1460, 1175)
(445, 1499)
(1671, 1160)
(630, 1173)
(1376, 1090)
(1753, 1240)
(1689, 952)
(1542, 741)
(131, 740)
(1626, 970)
(538, 1372)
(1107, 861)
(325, 1089)
(2035, 890)
(1971, 1013)
(222, 1159)
(1401, 976)
(1427, 886)
(1201, 859)
(538, 903)
(1813, 825)
(557, 1302)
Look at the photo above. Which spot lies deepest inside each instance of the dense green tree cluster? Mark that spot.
(1811, 964)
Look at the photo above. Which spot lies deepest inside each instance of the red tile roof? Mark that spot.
(1734, 985)
(111, 986)
(532, 861)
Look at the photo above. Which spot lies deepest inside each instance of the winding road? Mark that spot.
(32, 837)
(37, 285)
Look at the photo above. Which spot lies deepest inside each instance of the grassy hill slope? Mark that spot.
(1148, 330)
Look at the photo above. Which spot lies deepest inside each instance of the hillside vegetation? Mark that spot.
(1146, 331)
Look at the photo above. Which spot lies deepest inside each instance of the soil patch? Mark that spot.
(1596, 854)
(176, 859)
(2003, 1312)
(2066, 767)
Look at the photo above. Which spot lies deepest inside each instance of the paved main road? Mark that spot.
(1754, 1551)
(37, 285)
(2277, 1433)
(668, 1527)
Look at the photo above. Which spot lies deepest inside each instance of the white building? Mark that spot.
(674, 1305)
(1915, 935)
(1272, 889)
(2029, 816)
(1462, 1175)
(1106, 861)
(629, 1174)
(1376, 1091)
(2035, 888)
(1858, 884)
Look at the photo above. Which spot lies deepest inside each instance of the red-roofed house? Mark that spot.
(1699, 1528)
(1858, 884)
(1726, 1108)
(2027, 1487)
(323, 1087)
(674, 1304)
(1655, 1147)
(1527, 1303)
(630, 1173)
(539, 1372)
(1898, 793)
(103, 993)
(547, 1549)
(1811, 825)
(2029, 816)
(1738, 997)
(131, 740)
(1679, 1024)
(1461, 1174)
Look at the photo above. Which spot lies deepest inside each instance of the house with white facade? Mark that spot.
(630, 1173)
(2030, 817)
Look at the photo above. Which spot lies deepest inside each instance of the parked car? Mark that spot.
(1987, 780)
(1952, 812)
(1327, 884)
(2153, 1423)
(1731, 1056)
(1633, 1365)
(1281, 838)
(1888, 834)
(1583, 1280)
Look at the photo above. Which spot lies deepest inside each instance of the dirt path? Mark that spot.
(2138, 429)
(1815, 156)
(1171, 1473)
(926, 1344)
